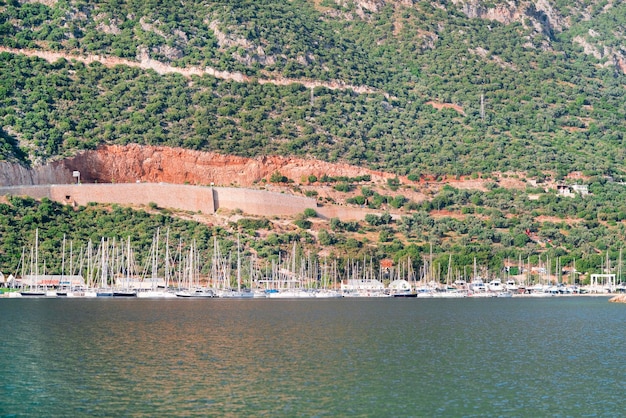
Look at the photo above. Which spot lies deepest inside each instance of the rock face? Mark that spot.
(540, 12)
(17, 175)
(133, 163)
(618, 299)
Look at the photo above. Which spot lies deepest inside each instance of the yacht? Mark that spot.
(495, 285)
(511, 286)
(196, 293)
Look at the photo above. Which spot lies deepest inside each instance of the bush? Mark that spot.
(372, 219)
(253, 224)
(335, 224)
(397, 202)
(384, 236)
(393, 183)
(278, 178)
(357, 200)
(326, 238)
(367, 191)
(343, 187)
(303, 223)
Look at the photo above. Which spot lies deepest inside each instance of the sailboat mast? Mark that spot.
(62, 260)
(167, 259)
(37, 253)
(238, 266)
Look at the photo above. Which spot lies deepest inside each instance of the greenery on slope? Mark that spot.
(548, 106)
(547, 109)
(496, 228)
(62, 107)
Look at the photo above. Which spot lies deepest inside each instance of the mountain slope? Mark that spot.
(536, 85)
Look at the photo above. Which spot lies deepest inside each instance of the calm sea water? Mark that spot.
(343, 357)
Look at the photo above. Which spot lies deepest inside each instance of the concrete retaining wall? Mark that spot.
(36, 192)
(191, 198)
(260, 202)
(184, 197)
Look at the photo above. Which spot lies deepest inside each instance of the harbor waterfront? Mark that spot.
(560, 356)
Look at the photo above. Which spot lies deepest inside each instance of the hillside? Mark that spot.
(462, 115)
(497, 219)
(527, 84)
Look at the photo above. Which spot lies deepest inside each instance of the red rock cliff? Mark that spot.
(133, 163)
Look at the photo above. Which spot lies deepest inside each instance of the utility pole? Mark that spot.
(482, 106)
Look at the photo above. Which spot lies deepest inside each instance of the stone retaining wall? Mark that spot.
(184, 197)
(261, 202)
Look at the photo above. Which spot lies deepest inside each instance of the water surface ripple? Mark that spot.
(342, 357)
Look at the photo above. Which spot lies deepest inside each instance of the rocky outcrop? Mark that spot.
(254, 53)
(503, 13)
(618, 299)
(542, 15)
(12, 174)
(136, 163)
(611, 56)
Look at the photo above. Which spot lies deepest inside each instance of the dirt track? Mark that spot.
(147, 63)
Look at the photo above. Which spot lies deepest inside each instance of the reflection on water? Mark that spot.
(379, 357)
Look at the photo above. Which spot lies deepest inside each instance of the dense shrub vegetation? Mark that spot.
(444, 95)
(546, 104)
(552, 229)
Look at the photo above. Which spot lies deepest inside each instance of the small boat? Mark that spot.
(477, 286)
(130, 293)
(235, 294)
(407, 294)
(495, 285)
(328, 293)
(449, 294)
(33, 293)
(288, 293)
(104, 293)
(66, 293)
(511, 286)
(196, 293)
(504, 294)
(158, 293)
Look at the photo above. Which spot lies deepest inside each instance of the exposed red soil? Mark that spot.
(440, 106)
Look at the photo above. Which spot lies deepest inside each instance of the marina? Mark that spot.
(110, 270)
(350, 289)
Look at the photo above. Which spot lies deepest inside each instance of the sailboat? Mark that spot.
(66, 282)
(33, 287)
(158, 287)
(227, 292)
(104, 291)
(193, 289)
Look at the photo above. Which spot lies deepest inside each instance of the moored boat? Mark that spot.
(235, 294)
(495, 285)
(202, 293)
(511, 286)
(33, 293)
(125, 293)
(405, 294)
